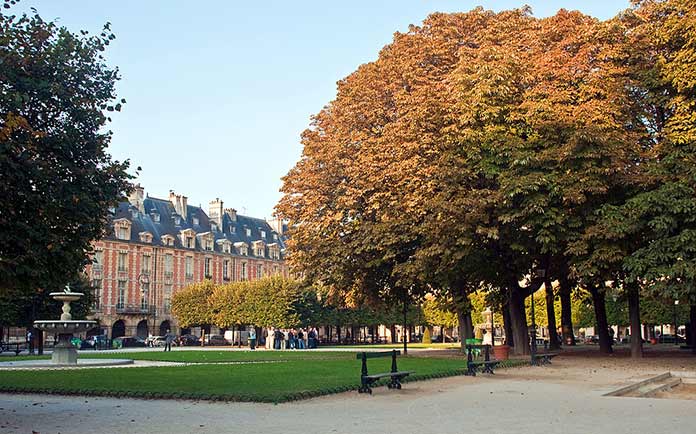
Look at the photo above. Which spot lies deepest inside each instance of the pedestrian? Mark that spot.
(252, 338)
(300, 339)
(168, 339)
(278, 342)
(30, 342)
(312, 338)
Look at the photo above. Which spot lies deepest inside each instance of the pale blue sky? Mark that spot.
(219, 91)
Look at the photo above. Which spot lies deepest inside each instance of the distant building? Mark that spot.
(159, 246)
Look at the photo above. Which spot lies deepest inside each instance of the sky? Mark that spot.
(218, 92)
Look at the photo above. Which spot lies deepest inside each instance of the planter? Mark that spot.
(501, 352)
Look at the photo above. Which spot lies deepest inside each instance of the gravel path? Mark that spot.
(565, 397)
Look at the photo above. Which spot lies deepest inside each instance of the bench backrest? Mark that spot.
(376, 354)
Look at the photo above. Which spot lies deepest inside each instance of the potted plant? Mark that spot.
(501, 352)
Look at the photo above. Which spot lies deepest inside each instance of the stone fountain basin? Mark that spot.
(67, 326)
(66, 296)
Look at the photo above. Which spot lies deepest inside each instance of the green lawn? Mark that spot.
(205, 356)
(298, 375)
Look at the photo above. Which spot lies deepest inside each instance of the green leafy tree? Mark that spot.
(57, 179)
(191, 305)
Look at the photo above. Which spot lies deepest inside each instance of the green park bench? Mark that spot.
(8, 346)
(366, 380)
(487, 365)
(544, 358)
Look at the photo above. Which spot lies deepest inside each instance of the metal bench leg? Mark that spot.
(470, 370)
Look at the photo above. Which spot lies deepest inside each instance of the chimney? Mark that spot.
(179, 202)
(231, 212)
(215, 212)
(277, 225)
(136, 197)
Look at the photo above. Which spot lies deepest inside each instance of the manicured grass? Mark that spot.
(263, 382)
(437, 345)
(205, 356)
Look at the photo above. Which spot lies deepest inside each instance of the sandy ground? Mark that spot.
(564, 397)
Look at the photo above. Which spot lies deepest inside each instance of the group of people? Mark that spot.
(292, 339)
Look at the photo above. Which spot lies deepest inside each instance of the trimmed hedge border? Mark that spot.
(287, 397)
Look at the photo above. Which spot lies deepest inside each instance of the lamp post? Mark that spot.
(676, 303)
(533, 346)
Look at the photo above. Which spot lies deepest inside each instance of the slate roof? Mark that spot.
(171, 223)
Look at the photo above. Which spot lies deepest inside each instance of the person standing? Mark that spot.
(252, 338)
(278, 341)
(168, 339)
(30, 342)
(300, 339)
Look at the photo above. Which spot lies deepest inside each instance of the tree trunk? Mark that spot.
(38, 335)
(692, 320)
(338, 334)
(634, 316)
(600, 309)
(466, 329)
(551, 315)
(405, 329)
(564, 290)
(507, 325)
(518, 323)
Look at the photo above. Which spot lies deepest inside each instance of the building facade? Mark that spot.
(158, 247)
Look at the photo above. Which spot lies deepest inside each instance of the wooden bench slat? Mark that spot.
(376, 354)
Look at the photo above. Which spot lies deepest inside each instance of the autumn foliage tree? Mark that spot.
(481, 148)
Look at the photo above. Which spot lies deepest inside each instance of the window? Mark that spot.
(234, 270)
(167, 297)
(145, 265)
(213, 227)
(122, 261)
(244, 271)
(263, 234)
(259, 271)
(248, 232)
(195, 220)
(259, 251)
(225, 269)
(209, 245)
(208, 270)
(168, 265)
(121, 301)
(98, 261)
(275, 270)
(190, 243)
(156, 217)
(177, 220)
(189, 267)
(275, 237)
(144, 295)
(122, 233)
(97, 285)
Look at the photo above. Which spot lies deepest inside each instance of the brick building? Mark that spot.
(159, 246)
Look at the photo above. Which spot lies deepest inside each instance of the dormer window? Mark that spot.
(167, 240)
(213, 227)
(225, 245)
(196, 221)
(275, 237)
(242, 248)
(248, 232)
(155, 217)
(263, 234)
(177, 220)
(188, 238)
(122, 228)
(145, 237)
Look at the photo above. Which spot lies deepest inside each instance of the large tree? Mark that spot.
(57, 180)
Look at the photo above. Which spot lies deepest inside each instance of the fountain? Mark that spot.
(64, 352)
